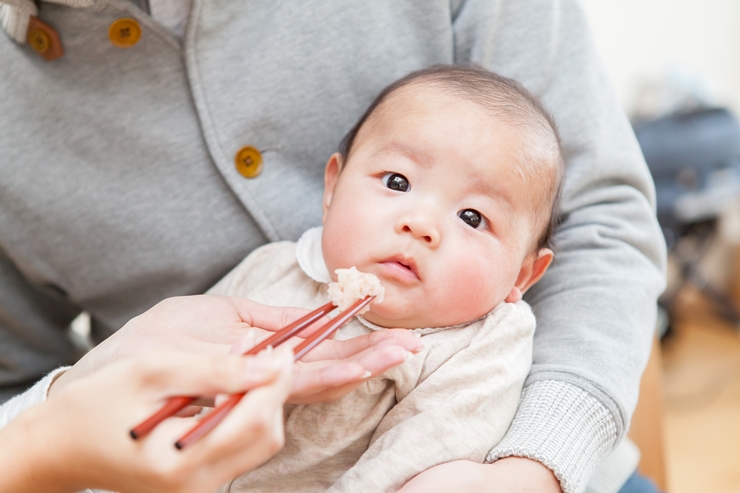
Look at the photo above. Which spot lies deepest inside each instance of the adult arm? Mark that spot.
(79, 439)
(595, 307)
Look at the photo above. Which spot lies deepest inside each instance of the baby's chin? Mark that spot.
(392, 323)
(390, 318)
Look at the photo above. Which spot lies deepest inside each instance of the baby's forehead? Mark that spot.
(441, 102)
(534, 141)
(421, 92)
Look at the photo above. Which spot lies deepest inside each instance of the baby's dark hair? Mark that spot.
(508, 101)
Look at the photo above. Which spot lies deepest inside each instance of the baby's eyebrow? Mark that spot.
(482, 185)
(419, 156)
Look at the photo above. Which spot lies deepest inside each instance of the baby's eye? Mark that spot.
(395, 181)
(473, 218)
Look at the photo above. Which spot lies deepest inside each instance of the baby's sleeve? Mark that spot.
(458, 412)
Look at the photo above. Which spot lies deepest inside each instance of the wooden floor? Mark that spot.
(701, 378)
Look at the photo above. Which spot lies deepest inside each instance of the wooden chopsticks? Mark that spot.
(175, 404)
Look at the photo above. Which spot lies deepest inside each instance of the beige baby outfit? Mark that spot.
(453, 400)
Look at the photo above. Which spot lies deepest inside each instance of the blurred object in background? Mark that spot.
(694, 157)
(678, 90)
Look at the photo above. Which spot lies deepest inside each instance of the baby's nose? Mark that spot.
(421, 227)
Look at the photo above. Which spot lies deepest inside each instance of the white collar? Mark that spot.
(310, 257)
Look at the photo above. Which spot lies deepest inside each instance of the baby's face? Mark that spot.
(431, 202)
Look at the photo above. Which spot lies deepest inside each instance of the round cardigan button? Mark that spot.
(248, 162)
(124, 33)
(39, 40)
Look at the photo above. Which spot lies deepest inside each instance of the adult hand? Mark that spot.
(509, 475)
(334, 368)
(78, 438)
(212, 324)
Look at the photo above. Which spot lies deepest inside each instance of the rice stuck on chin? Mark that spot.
(353, 285)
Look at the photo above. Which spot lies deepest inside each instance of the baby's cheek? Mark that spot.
(342, 241)
(337, 252)
(472, 291)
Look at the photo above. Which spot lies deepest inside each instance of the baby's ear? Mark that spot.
(533, 268)
(331, 176)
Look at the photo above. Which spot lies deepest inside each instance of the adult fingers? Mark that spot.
(196, 374)
(334, 381)
(338, 350)
(266, 317)
(382, 358)
(311, 381)
(253, 430)
(248, 436)
(247, 341)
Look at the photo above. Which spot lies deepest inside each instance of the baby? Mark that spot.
(445, 190)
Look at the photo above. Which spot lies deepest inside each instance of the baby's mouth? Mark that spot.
(400, 268)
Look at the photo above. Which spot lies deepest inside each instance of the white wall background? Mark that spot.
(643, 40)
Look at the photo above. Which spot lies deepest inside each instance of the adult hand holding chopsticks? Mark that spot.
(220, 324)
(78, 438)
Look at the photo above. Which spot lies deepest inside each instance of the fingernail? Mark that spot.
(367, 374)
(262, 362)
(251, 337)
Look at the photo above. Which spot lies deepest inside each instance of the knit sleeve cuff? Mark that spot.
(562, 427)
(35, 395)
